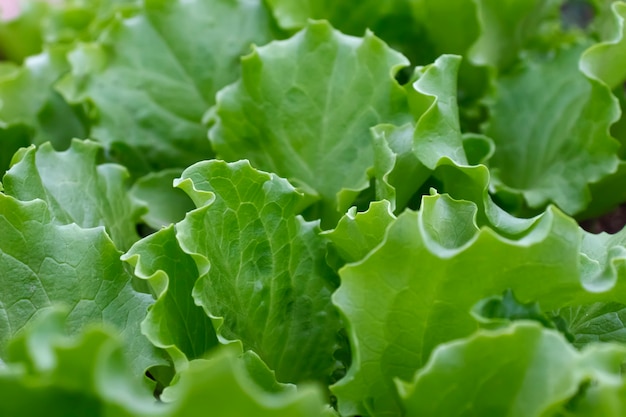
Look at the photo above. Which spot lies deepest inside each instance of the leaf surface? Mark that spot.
(426, 275)
(85, 192)
(542, 371)
(263, 269)
(303, 110)
(174, 323)
(150, 77)
(27, 97)
(44, 263)
(552, 141)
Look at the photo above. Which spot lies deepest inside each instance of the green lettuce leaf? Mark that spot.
(520, 371)
(27, 97)
(550, 125)
(353, 18)
(264, 275)
(606, 60)
(165, 204)
(426, 275)
(423, 29)
(508, 28)
(223, 386)
(357, 234)
(44, 263)
(606, 400)
(175, 323)
(598, 322)
(150, 78)
(303, 109)
(394, 163)
(85, 192)
(50, 373)
(499, 311)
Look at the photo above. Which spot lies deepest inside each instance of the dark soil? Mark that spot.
(611, 222)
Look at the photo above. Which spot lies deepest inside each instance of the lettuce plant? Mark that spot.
(312, 208)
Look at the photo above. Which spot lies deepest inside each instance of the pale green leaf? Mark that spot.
(44, 263)
(223, 386)
(606, 61)
(520, 371)
(550, 124)
(263, 268)
(175, 323)
(303, 110)
(437, 132)
(151, 77)
(426, 275)
(85, 192)
(357, 234)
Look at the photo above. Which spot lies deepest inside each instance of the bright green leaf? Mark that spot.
(424, 278)
(263, 269)
(150, 78)
(175, 323)
(520, 371)
(85, 192)
(44, 263)
(606, 61)
(222, 385)
(357, 234)
(303, 110)
(550, 126)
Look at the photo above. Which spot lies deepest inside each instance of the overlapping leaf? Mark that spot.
(303, 110)
(437, 27)
(44, 263)
(605, 60)
(509, 27)
(264, 273)
(166, 204)
(51, 374)
(466, 378)
(426, 275)
(150, 78)
(27, 97)
(550, 124)
(85, 192)
(175, 323)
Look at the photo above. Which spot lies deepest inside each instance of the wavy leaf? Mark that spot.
(44, 263)
(426, 275)
(264, 277)
(552, 137)
(85, 192)
(303, 110)
(150, 78)
(542, 371)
